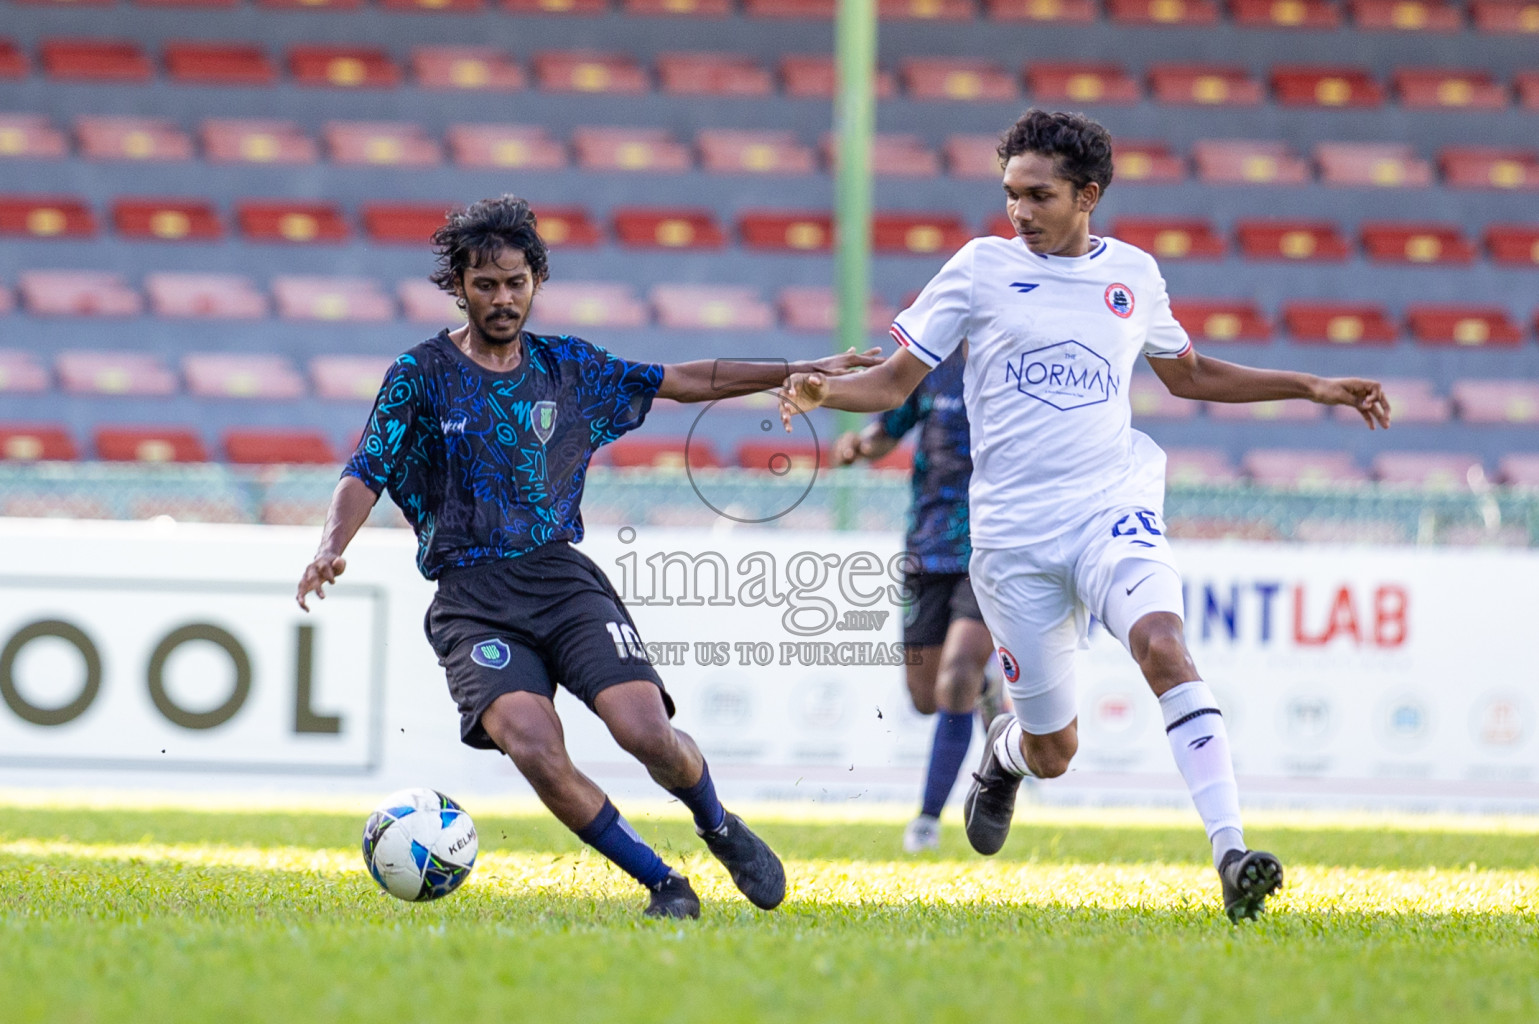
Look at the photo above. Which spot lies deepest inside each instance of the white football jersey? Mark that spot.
(1051, 344)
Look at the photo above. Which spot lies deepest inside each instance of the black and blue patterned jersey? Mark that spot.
(943, 466)
(488, 465)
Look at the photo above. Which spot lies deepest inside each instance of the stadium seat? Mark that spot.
(1505, 17)
(630, 149)
(286, 221)
(1382, 164)
(1513, 470)
(348, 378)
(1411, 400)
(1095, 82)
(1222, 320)
(277, 447)
(466, 67)
(1408, 15)
(219, 64)
(1527, 82)
(786, 230)
(1339, 323)
(1208, 85)
(1152, 400)
(1000, 226)
(95, 60)
(1294, 467)
(13, 63)
(956, 78)
(222, 4)
(1434, 471)
(712, 74)
(1306, 14)
(567, 226)
(45, 217)
(6, 303)
(1283, 411)
(972, 156)
(132, 138)
(1490, 167)
(343, 67)
(526, 147)
(711, 307)
(114, 373)
(816, 308)
(1313, 241)
(1068, 11)
(403, 223)
(566, 304)
(1171, 238)
(382, 143)
(925, 10)
(28, 442)
(227, 296)
(1301, 86)
(31, 135)
(892, 156)
(241, 375)
(667, 228)
(808, 76)
(332, 298)
(1163, 12)
(257, 141)
(171, 220)
(679, 8)
(77, 293)
(21, 373)
(726, 151)
(1198, 466)
(1470, 326)
(918, 233)
(780, 456)
(1496, 401)
(582, 71)
(1249, 162)
(424, 302)
(1415, 243)
(1440, 88)
(447, 6)
(1514, 243)
(330, 5)
(149, 444)
(550, 7)
(797, 9)
(642, 451)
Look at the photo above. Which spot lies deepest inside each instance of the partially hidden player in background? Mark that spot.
(948, 645)
(482, 435)
(1066, 497)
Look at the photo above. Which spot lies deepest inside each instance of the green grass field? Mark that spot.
(128, 915)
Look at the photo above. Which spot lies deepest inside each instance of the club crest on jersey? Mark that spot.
(1009, 666)
(1119, 299)
(543, 416)
(493, 653)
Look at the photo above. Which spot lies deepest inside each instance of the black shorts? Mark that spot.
(939, 598)
(528, 624)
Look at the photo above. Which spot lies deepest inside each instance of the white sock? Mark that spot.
(1200, 744)
(1008, 749)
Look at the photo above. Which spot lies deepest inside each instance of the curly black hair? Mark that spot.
(475, 234)
(1080, 147)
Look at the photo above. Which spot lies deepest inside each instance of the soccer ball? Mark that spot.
(419, 845)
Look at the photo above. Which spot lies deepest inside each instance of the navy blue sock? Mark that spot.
(701, 801)
(952, 735)
(611, 835)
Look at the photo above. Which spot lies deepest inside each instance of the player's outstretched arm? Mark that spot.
(1204, 379)
(870, 442)
(351, 503)
(705, 380)
(875, 390)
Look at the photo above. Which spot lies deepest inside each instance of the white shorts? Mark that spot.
(1037, 601)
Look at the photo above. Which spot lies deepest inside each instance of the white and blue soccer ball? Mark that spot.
(419, 844)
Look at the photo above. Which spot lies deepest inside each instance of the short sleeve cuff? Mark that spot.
(1171, 355)
(353, 471)
(908, 341)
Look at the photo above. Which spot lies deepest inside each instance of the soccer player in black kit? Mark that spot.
(482, 436)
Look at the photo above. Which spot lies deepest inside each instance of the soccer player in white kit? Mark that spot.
(1066, 497)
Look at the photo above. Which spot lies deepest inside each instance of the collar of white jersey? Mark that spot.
(1070, 264)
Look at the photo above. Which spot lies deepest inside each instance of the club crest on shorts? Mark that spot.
(1009, 666)
(493, 653)
(543, 418)
(1119, 299)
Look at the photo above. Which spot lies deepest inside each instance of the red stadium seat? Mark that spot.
(1514, 470)
(1152, 400)
(1288, 411)
(892, 156)
(956, 78)
(1163, 12)
(1408, 15)
(815, 308)
(925, 10)
(582, 71)
(972, 156)
(1171, 238)
(219, 64)
(257, 142)
(1514, 243)
(330, 5)
(787, 230)
(725, 151)
(1082, 81)
(424, 302)
(241, 375)
(813, 77)
(1291, 240)
(466, 67)
(403, 223)
(6, 304)
(1206, 85)
(78, 293)
(95, 60)
(712, 74)
(1078, 12)
(343, 67)
(1198, 466)
(227, 296)
(285, 221)
(802, 10)
(31, 135)
(115, 373)
(1490, 167)
(25, 442)
(446, 6)
(221, 4)
(1339, 323)
(1249, 162)
(332, 298)
(1412, 400)
(505, 146)
(679, 8)
(149, 444)
(1416, 243)
(668, 229)
(21, 373)
(580, 7)
(918, 233)
(1505, 17)
(780, 456)
(711, 307)
(1310, 14)
(651, 452)
(1301, 86)
(255, 447)
(382, 143)
(1222, 320)
(1527, 82)
(1439, 471)
(13, 63)
(348, 378)
(1448, 88)
(132, 138)
(567, 226)
(1146, 161)
(1496, 401)
(1293, 467)
(1470, 326)
(630, 149)
(45, 217)
(582, 304)
(171, 220)
(1381, 164)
